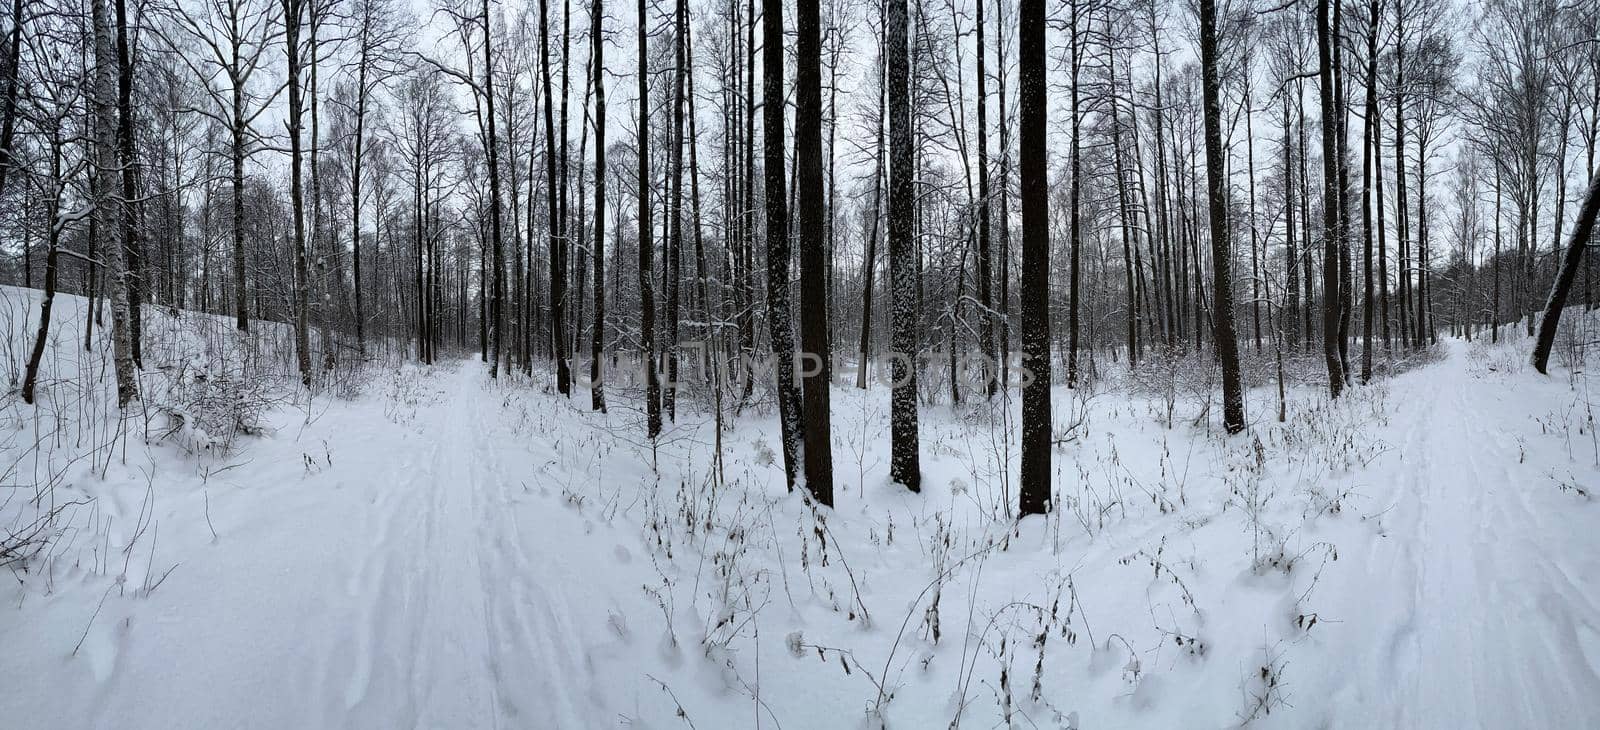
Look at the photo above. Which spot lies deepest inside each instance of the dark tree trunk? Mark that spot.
(1227, 348)
(1571, 259)
(778, 311)
(1291, 310)
(555, 223)
(1035, 485)
(491, 139)
(647, 289)
(1369, 175)
(132, 208)
(292, 12)
(810, 223)
(47, 302)
(10, 73)
(241, 301)
(597, 393)
(905, 465)
(1341, 151)
(985, 257)
(1075, 193)
(1330, 207)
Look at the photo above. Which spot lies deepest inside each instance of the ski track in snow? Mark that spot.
(1492, 621)
(461, 615)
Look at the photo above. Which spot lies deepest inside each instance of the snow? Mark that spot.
(444, 551)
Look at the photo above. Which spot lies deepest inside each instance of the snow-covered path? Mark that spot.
(370, 573)
(465, 615)
(452, 553)
(1481, 608)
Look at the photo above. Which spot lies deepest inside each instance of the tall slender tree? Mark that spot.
(109, 206)
(1330, 207)
(779, 315)
(1222, 315)
(555, 221)
(1035, 484)
(293, 15)
(904, 461)
(811, 225)
(647, 293)
(597, 393)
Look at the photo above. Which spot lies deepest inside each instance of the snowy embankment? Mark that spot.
(442, 551)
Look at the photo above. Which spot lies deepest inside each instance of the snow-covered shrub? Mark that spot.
(209, 406)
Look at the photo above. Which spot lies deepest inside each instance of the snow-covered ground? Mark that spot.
(435, 549)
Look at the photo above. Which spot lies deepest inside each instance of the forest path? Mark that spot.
(404, 560)
(1482, 618)
(483, 635)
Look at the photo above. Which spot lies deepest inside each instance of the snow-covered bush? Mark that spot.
(209, 406)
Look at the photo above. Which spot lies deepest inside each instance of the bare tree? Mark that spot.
(224, 44)
(376, 36)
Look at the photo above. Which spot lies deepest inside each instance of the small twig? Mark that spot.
(681, 712)
(92, 617)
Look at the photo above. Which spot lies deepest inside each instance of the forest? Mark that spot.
(458, 363)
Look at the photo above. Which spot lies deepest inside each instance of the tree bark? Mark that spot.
(597, 393)
(811, 225)
(292, 12)
(647, 292)
(109, 207)
(905, 465)
(1330, 206)
(1035, 487)
(1227, 348)
(555, 223)
(778, 312)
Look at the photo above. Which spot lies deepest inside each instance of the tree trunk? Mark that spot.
(1075, 193)
(132, 208)
(1036, 423)
(555, 222)
(1227, 348)
(1369, 175)
(1571, 259)
(810, 222)
(10, 73)
(1330, 206)
(241, 302)
(597, 393)
(491, 140)
(108, 203)
(905, 465)
(778, 312)
(302, 280)
(647, 290)
(47, 302)
(991, 373)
